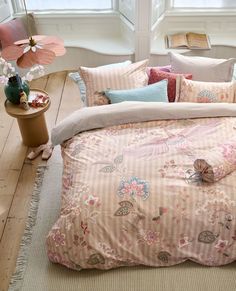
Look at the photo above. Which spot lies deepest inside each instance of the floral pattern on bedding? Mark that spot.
(127, 198)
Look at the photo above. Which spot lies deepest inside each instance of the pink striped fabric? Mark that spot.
(99, 79)
(129, 197)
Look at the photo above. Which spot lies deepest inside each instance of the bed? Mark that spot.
(130, 194)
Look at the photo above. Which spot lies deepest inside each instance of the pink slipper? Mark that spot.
(47, 152)
(36, 152)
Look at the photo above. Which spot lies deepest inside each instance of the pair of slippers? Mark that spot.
(45, 149)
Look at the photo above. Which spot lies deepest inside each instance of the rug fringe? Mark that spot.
(21, 262)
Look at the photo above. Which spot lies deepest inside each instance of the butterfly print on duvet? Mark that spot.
(184, 138)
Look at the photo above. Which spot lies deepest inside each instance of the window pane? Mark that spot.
(204, 4)
(4, 10)
(68, 4)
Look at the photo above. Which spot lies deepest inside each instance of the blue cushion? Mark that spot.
(79, 81)
(82, 88)
(156, 92)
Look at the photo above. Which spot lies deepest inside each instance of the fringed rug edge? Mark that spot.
(22, 259)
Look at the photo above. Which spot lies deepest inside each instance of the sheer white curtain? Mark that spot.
(69, 4)
(204, 4)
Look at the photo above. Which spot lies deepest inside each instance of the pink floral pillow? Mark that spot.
(205, 92)
(157, 75)
(12, 31)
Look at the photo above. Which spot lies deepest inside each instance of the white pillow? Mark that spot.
(202, 68)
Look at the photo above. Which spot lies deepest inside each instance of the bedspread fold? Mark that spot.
(88, 118)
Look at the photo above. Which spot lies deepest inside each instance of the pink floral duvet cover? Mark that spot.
(129, 197)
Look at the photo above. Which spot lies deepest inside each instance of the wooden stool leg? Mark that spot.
(33, 130)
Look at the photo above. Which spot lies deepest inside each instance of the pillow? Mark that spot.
(79, 81)
(97, 80)
(203, 69)
(157, 75)
(153, 93)
(12, 31)
(75, 76)
(166, 68)
(205, 92)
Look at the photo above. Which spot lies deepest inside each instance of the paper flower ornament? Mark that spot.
(37, 50)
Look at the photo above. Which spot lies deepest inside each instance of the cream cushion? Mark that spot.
(202, 68)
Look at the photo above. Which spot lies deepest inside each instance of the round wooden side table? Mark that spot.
(31, 122)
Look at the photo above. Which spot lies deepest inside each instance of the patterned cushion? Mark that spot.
(202, 68)
(206, 92)
(99, 79)
(157, 75)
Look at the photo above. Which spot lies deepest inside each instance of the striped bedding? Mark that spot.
(129, 197)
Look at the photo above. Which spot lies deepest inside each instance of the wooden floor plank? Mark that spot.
(6, 121)
(5, 202)
(8, 181)
(15, 224)
(54, 88)
(70, 99)
(39, 83)
(14, 151)
(9, 248)
(23, 192)
(11, 161)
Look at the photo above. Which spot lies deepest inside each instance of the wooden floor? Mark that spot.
(17, 174)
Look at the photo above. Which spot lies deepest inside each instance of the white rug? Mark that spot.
(36, 273)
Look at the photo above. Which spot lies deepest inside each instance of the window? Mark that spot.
(4, 10)
(40, 5)
(158, 8)
(204, 4)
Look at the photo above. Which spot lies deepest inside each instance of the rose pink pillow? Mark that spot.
(166, 68)
(99, 79)
(157, 75)
(205, 92)
(12, 31)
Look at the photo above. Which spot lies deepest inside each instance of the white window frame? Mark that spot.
(18, 8)
(171, 10)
